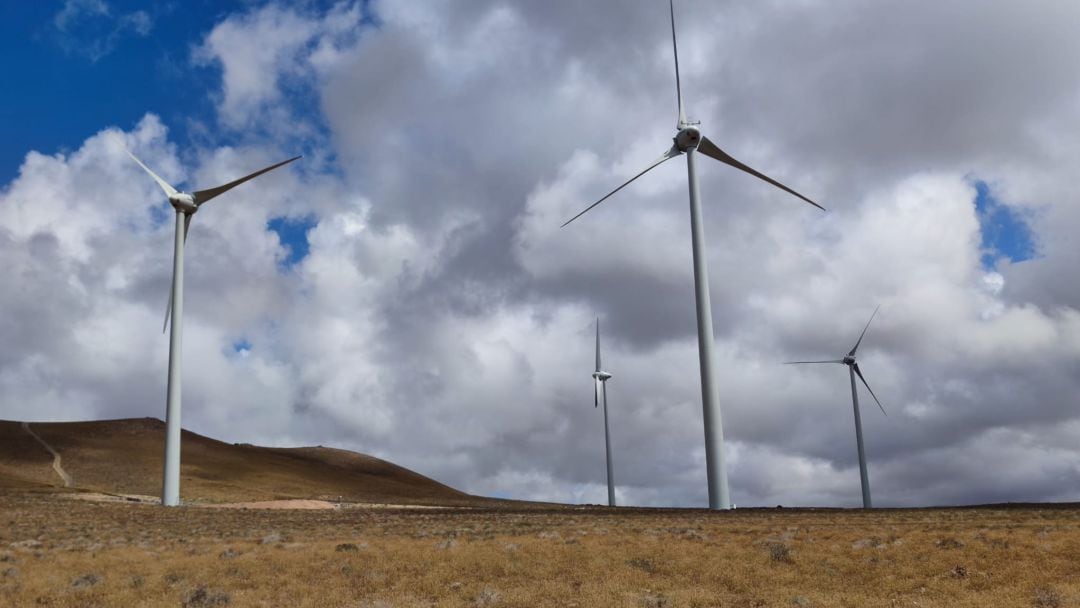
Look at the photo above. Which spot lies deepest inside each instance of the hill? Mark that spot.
(126, 456)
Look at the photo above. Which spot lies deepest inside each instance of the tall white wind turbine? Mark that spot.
(600, 378)
(853, 370)
(689, 140)
(186, 204)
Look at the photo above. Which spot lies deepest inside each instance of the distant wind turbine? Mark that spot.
(853, 370)
(689, 140)
(186, 204)
(601, 377)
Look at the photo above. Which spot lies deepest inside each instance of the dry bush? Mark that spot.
(1046, 598)
(779, 552)
(643, 564)
(948, 543)
(201, 597)
(86, 580)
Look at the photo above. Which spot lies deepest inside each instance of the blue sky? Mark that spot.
(81, 65)
(1005, 231)
(65, 92)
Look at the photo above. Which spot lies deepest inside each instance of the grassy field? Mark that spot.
(57, 551)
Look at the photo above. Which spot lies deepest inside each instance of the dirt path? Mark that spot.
(56, 456)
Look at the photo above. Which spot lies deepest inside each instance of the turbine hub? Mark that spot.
(687, 138)
(849, 360)
(183, 202)
(601, 376)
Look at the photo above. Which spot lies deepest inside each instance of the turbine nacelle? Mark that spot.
(186, 204)
(688, 138)
(848, 360)
(601, 376)
(183, 202)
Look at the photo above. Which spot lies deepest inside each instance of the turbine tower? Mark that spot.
(186, 204)
(688, 140)
(601, 377)
(853, 370)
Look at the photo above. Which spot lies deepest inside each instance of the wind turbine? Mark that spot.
(688, 140)
(186, 204)
(601, 377)
(853, 370)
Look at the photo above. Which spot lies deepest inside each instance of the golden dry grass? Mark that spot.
(58, 551)
(74, 553)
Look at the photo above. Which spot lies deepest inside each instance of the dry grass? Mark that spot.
(63, 552)
(57, 551)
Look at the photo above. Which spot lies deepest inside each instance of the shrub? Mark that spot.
(779, 552)
(201, 597)
(86, 580)
(642, 563)
(1046, 598)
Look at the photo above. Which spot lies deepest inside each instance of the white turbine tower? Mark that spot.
(186, 204)
(853, 370)
(689, 140)
(601, 377)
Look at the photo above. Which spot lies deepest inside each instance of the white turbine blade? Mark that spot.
(596, 393)
(708, 148)
(672, 153)
(856, 347)
(168, 312)
(203, 196)
(798, 362)
(168, 305)
(597, 343)
(859, 374)
(169, 190)
(678, 84)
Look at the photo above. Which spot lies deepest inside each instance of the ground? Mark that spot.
(58, 551)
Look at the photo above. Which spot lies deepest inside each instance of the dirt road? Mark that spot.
(56, 456)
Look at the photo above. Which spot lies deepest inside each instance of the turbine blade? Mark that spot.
(168, 311)
(596, 393)
(168, 305)
(859, 374)
(597, 343)
(856, 347)
(203, 196)
(169, 190)
(678, 84)
(708, 148)
(798, 362)
(672, 153)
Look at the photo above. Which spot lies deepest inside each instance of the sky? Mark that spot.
(405, 290)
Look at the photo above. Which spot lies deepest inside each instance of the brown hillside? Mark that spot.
(125, 457)
(23, 458)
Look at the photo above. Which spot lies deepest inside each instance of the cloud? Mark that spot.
(267, 53)
(442, 319)
(90, 28)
